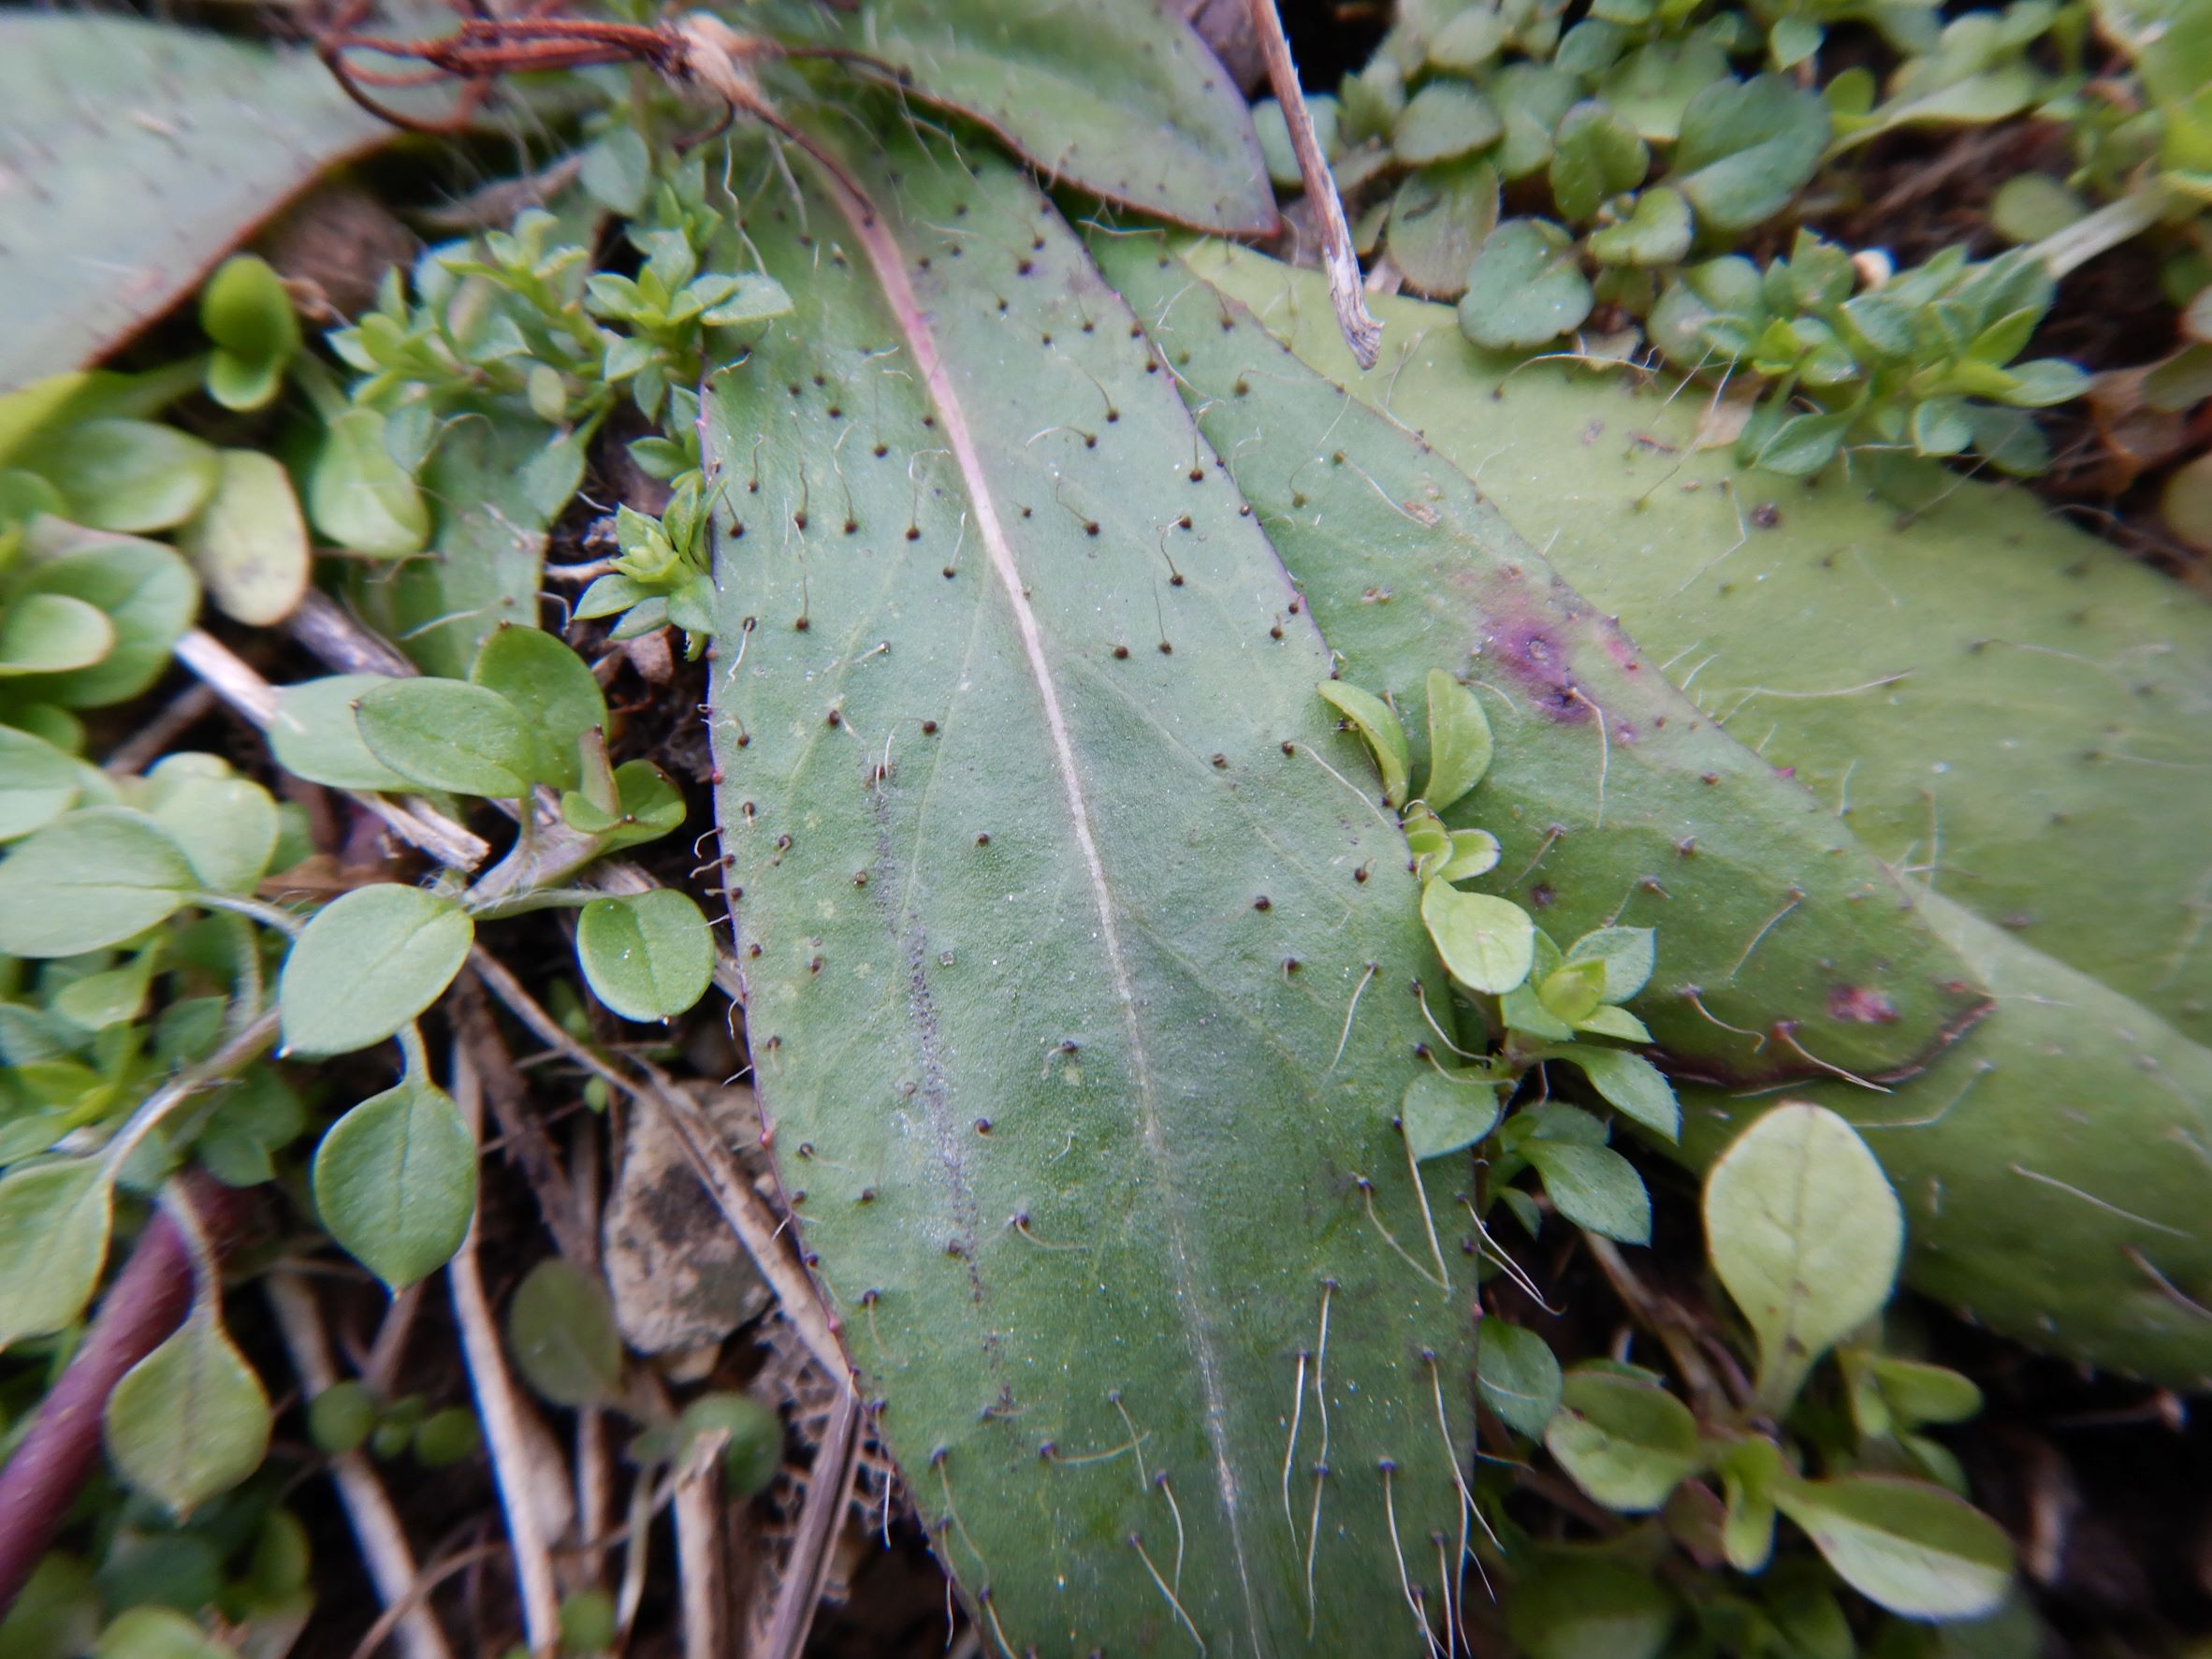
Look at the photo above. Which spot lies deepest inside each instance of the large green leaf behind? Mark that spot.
(135, 155)
(2006, 708)
(1613, 798)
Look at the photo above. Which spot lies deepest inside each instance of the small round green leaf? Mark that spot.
(156, 1633)
(190, 1420)
(1904, 1545)
(339, 1419)
(1524, 288)
(245, 310)
(755, 1450)
(1631, 1085)
(1627, 954)
(361, 497)
(1594, 1188)
(1806, 1233)
(366, 965)
(553, 688)
(647, 956)
(561, 1329)
(248, 543)
(1518, 1376)
(1628, 1444)
(1596, 155)
(39, 783)
(1746, 147)
(1443, 1113)
(447, 1437)
(395, 1182)
(50, 634)
(1438, 219)
(1448, 117)
(447, 734)
(55, 1220)
(315, 734)
(1657, 231)
(225, 824)
(1487, 943)
(90, 879)
(145, 590)
(127, 475)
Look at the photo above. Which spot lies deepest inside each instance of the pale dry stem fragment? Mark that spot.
(382, 1540)
(517, 1463)
(1341, 266)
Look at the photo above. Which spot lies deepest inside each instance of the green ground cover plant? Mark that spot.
(1238, 880)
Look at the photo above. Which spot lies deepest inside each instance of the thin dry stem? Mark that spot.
(829, 1493)
(514, 1459)
(1339, 262)
(709, 1156)
(699, 1561)
(237, 684)
(376, 1527)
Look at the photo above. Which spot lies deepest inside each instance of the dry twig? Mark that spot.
(1339, 262)
(516, 1462)
(376, 1527)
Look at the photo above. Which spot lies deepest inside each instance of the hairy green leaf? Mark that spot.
(1771, 913)
(1105, 1192)
(1123, 102)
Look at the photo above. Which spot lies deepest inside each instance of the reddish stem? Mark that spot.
(146, 1301)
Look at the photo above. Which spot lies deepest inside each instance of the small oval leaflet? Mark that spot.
(190, 1420)
(367, 964)
(315, 734)
(1594, 1188)
(553, 688)
(55, 1220)
(1487, 943)
(1458, 741)
(1443, 1113)
(1377, 724)
(1627, 1444)
(447, 734)
(1518, 1376)
(91, 879)
(648, 956)
(561, 1329)
(1907, 1546)
(395, 1182)
(1806, 1233)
